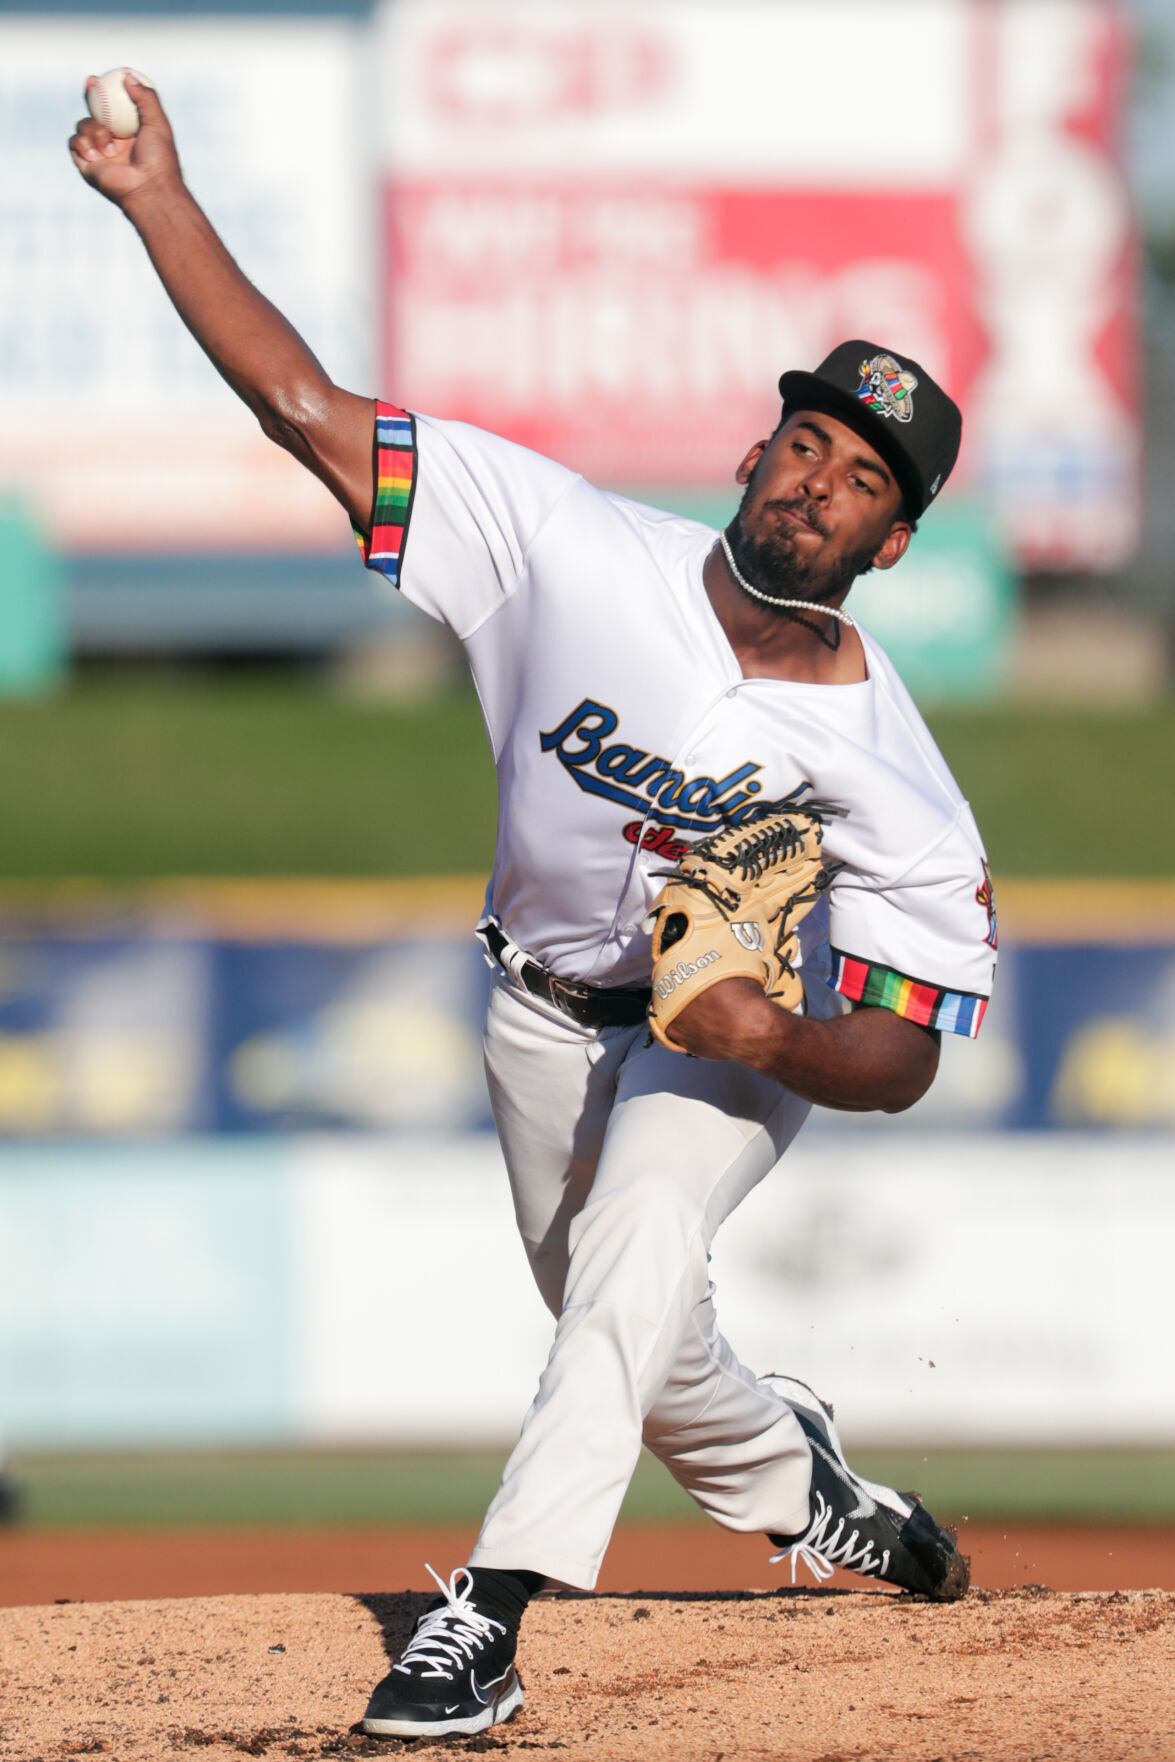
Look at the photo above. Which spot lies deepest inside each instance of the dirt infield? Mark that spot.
(39, 1566)
(796, 1676)
(1085, 1670)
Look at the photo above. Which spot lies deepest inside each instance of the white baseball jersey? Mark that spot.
(623, 728)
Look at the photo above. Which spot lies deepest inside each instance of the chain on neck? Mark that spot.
(770, 599)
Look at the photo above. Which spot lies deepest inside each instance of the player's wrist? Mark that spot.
(730, 1020)
(765, 1033)
(162, 192)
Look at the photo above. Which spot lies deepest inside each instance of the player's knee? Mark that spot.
(645, 1218)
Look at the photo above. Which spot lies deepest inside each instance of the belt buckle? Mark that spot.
(571, 999)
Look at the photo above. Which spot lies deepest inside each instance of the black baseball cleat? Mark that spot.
(860, 1526)
(456, 1675)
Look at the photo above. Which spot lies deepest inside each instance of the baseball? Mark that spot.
(111, 103)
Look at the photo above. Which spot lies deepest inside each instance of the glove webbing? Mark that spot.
(757, 850)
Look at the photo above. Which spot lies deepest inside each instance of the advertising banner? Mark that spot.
(961, 1286)
(607, 229)
(952, 1288)
(128, 1036)
(113, 425)
(123, 1036)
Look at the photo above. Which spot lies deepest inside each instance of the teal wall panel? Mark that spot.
(145, 1294)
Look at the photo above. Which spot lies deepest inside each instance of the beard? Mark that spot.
(774, 565)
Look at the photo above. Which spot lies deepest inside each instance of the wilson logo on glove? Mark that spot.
(665, 982)
(750, 935)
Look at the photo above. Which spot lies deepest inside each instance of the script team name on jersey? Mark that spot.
(642, 780)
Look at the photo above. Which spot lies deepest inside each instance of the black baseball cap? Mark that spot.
(892, 403)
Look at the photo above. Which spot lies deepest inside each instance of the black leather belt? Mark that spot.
(592, 1006)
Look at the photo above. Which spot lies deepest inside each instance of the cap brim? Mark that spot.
(807, 391)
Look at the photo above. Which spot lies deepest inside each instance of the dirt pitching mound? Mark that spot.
(814, 1676)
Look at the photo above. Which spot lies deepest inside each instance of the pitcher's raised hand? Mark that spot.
(119, 167)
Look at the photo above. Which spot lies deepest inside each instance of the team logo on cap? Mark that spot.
(887, 387)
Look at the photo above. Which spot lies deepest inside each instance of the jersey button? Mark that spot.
(733, 692)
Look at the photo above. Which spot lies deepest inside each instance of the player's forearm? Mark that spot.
(245, 337)
(869, 1060)
(243, 334)
(860, 1063)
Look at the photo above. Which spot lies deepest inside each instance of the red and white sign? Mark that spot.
(1048, 222)
(637, 331)
(608, 229)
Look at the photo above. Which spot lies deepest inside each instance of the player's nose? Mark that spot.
(816, 483)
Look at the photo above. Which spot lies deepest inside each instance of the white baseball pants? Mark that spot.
(623, 1160)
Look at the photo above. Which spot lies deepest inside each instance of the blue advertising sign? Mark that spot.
(149, 1036)
(381, 1037)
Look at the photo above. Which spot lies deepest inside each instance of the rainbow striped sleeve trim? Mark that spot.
(955, 1012)
(395, 485)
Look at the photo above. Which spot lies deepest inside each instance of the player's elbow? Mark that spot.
(291, 416)
(330, 431)
(913, 1071)
(903, 1096)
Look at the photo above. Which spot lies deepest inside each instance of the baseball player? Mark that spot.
(657, 696)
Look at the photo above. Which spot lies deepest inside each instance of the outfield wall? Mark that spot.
(266, 1008)
(959, 1288)
(249, 1190)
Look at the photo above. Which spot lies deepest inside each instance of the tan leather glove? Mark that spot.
(731, 910)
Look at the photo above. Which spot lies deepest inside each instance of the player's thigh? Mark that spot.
(552, 1086)
(688, 1138)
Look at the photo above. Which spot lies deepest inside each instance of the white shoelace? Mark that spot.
(449, 1637)
(821, 1552)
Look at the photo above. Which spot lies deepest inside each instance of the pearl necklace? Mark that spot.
(770, 600)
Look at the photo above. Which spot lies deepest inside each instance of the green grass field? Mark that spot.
(278, 1488)
(137, 775)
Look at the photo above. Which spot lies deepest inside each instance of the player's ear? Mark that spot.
(894, 545)
(747, 465)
